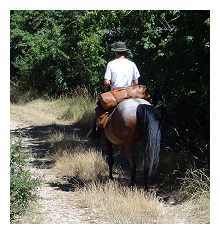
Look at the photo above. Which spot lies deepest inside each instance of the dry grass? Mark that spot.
(195, 182)
(195, 189)
(123, 205)
(83, 164)
(45, 112)
(74, 159)
(31, 116)
(117, 203)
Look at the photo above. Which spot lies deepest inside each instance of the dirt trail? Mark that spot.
(54, 205)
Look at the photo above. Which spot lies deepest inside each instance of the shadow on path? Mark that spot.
(41, 147)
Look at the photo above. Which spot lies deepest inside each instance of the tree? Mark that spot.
(50, 48)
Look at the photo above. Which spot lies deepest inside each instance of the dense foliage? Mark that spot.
(53, 52)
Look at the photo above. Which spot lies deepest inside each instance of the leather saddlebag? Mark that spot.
(101, 117)
(110, 99)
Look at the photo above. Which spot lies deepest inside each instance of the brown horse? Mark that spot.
(131, 121)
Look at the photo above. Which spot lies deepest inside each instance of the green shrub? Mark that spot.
(22, 183)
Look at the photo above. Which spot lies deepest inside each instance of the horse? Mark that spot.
(133, 120)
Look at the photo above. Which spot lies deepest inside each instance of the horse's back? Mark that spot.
(127, 109)
(130, 104)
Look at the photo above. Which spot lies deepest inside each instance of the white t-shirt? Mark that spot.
(121, 72)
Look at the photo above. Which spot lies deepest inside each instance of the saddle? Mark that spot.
(109, 100)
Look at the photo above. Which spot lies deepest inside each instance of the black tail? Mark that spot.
(148, 121)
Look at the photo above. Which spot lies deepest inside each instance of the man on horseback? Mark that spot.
(125, 116)
(121, 72)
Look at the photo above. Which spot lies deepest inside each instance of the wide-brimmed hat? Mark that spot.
(120, 47)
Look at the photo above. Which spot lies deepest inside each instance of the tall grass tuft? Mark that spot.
(121, 204)
(85, 165)
(74, 159)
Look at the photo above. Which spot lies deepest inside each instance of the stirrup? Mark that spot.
(89, 133)
(94, 140)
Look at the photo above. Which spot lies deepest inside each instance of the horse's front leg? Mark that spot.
(110, 157)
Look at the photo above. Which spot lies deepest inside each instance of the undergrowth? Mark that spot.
(22, 184)
(195, 188)
(194, 183)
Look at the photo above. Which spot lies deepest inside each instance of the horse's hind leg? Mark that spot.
(130, 157)
(110, 157)
(146, 170)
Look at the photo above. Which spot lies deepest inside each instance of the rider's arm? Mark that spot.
(107, 82)
(135, 82)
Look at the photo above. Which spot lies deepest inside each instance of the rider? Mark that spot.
(120, 72)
